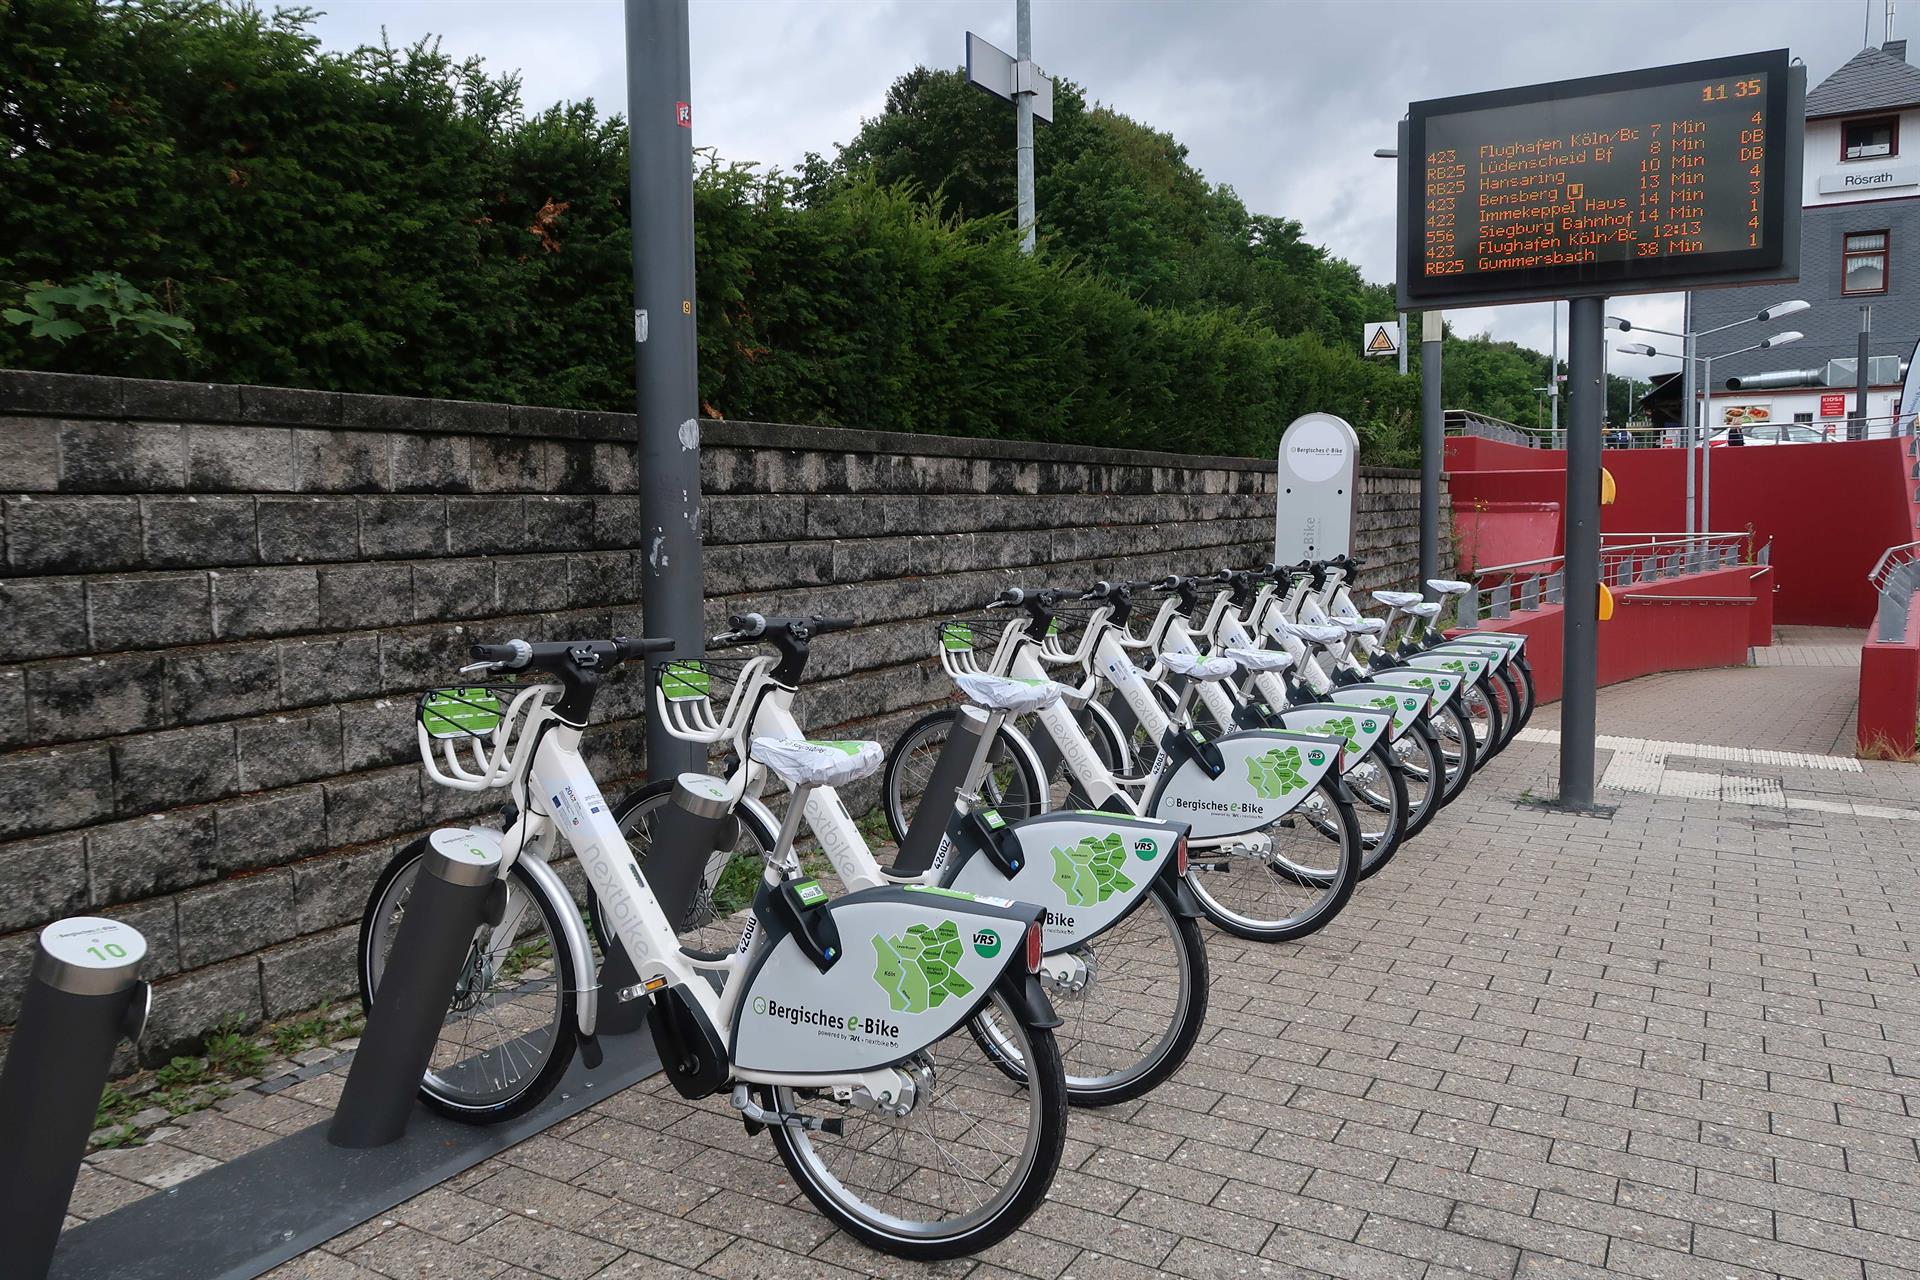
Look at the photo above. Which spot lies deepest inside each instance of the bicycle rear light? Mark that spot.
(1036, 946)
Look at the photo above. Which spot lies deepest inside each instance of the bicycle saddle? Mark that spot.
(798, 761)
(1397, 599)
(1196, 666)
(1448, 587)
(1362, 626)
(1261, 659)
(1428, 609)
(1312, 633)
(1006, 693)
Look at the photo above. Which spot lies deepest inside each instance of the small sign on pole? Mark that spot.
(1381, 338)
(1002, 75)
(1314, 520)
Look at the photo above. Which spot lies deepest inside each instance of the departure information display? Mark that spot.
(1646, 181)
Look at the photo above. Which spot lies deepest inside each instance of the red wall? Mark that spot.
(1642, 637)
(1830, 509)
(1890, 691)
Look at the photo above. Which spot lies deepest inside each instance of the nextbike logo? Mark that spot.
(801, 1016)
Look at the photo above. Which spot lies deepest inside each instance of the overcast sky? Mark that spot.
(1284, 100)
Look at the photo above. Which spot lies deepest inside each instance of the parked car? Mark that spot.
(1769, 433)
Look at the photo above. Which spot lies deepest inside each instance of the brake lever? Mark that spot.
(480, 666)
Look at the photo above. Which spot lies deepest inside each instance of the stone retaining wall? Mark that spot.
(218, 603)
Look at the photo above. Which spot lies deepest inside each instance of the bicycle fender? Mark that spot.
(586, 1002)
(1085, 870)
(1405, 704)
(1179, 895)
(1027, 998)
(1268, 772)
(919, 962)
(1360, 727)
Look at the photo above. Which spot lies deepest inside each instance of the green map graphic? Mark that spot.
(1391, 706)
(919, 971)
(1345, 727)
(1276, 773)
(1454, 664)
(1091, 871)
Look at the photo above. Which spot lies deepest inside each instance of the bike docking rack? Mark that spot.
(382, 1145)
(82, 999)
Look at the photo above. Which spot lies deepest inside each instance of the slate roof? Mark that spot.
(1872, 80)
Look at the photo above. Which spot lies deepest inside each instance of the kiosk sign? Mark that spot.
(1645, 181)
(1314, 520)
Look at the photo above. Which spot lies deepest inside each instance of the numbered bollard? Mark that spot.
(943, 788)
(433, 950)
(698, 820)
(81, 999)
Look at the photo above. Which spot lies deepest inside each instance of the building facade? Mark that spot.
(1859, 247)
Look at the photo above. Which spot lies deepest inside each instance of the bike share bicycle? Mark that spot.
(1276, 843)
(839, 1027)
(1124, 965)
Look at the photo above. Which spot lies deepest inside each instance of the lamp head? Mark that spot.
(1386, 153)
(1782, 339)
(1780, 309)
(1617, 322)
(1637, 349)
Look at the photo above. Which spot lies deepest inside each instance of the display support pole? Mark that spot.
(665, 357)
(81, 999)
(1706, 447)
(1586, 359)
(1860, 379)
(456, 878)
(1433, 444)
(1689, 416)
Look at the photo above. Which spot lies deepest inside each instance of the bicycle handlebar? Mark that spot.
(553, 655)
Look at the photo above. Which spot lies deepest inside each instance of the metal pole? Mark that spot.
(1586, 358)
(665, 358)
(1706, 445)
(1553, 378)
(1689, 418)
(1433, 445)
(1023, 123)
(82, 997)
(1403, 344)
(1859, 431)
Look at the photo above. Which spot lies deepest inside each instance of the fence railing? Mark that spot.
(1625, 558)
(1896, 576)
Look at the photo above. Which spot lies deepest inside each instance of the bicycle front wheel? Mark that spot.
(967, 1164)
(1133, 1018)
(1380, 805)
(1012, 785)
(508, 1033)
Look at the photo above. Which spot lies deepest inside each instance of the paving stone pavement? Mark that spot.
(1682, 1041)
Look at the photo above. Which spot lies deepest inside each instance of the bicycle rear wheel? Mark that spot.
(509, 1031)
(1298, 885)
(1380, 805)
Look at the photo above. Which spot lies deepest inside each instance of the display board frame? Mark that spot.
(1778, 259)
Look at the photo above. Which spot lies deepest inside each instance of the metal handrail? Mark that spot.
(1896, 576)
(1907, 553)
(1628, 558)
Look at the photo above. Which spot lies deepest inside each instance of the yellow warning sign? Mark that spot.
(1381, 339)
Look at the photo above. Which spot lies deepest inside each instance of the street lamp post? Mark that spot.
(1695, 420)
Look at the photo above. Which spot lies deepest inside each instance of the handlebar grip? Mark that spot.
(838, 622)
(635, 646)
(1012, 595)
(746, 625)
(512, 655)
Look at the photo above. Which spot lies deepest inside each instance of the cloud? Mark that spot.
(1285, 102)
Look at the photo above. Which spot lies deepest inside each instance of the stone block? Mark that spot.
(373, 806)
(430, 463)
(51, 790)
(42, 617)
(14, 728)
(339, 462)
(149, 611)
(245, 459)
(180, 766)
(304, 530)
(33, 453)
(559, 523)
(358, 596)
(198, 529)
(422, 657)
(94, 697)
(524, 584)
(265, 602)
(122, 457)
(486, 526)
(331, 669)
(154, 854)
(447, 589)
(310, 971)
(235, 917)
(604, 577)
(333, 891)
(157, 919)
(270, 829)
(378, 733)
(616, 521)
(72, 534)
(403, 526)
(46, 878)
(285, 749)
(187, 1007)
(508, 464)
(218, 684)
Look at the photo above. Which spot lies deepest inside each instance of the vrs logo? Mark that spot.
(1144, 848)
(986, 942)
